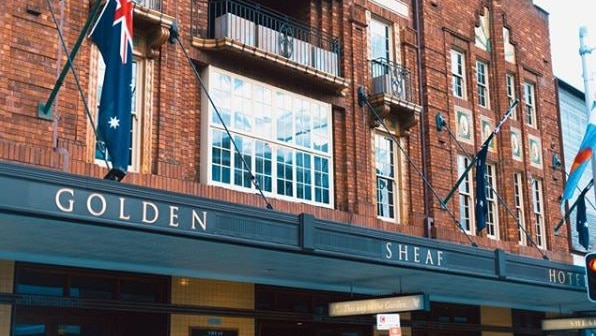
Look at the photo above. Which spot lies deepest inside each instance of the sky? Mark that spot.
(565, 18)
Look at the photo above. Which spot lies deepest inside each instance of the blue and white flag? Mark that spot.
(583, 157)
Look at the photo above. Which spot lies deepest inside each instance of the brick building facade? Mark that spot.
(356, 118)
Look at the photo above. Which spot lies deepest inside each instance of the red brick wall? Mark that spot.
(33, 58)
(450, 24)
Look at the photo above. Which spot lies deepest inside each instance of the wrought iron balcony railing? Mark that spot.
(274, 32)
(151, 4)
(392, 79)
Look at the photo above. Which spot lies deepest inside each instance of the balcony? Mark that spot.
(391, 94)
(250, 29)
(150, 4)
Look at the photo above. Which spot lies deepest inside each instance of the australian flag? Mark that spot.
(112, 34)
(582, 222)
(481, 208)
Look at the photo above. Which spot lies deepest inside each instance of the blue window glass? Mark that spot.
(285, 174)
(243, 162)
(303, 176)
(282, 138)
(221, 157)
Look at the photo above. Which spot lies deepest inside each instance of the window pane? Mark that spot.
(243, 162)
(221, 157)
(465, 195)
(385, 196)
(302, 122)
(320, 128)
(379, 40)
(322, 183)
(284, 126)
(241, 105)
(91, 287)
(303, 176)
(385, 171)
(41, 283)
(30, 329)
(140, 290)
(285, 174)
(263, 165)
(263, 111)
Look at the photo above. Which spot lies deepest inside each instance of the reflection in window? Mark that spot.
(385, 167)
(518, 193)
(284, 138)
(538, 209)
(30, 329)
(458, 83)
(303, 176)
(465, 195)
(264, 165)
(241, 157)
(530, 104)
(221, 151)
(285, 173)
(380, 34)
(482, 83)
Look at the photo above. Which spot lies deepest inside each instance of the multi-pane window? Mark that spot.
(518, 194)
(380, 35)
(511, 97)
(492, 218)
(380, 51)
(530, 104)
(538, 209)
(386, 173)
(458, 82)
(282, 138)
(101, 155)
(482, 83)
(466, 210)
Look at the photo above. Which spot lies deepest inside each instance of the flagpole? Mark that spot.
(43, 110)
(486, 143)
(589, 98)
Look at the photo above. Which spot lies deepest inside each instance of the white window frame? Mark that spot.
(518, 194)
(538, 210)
(482, 82)
(458, 74)
(466, 196)
(511, 96)
(530, 104)
(383, 30)
(139, 69)
(387, 171)
(271, 127)
(492, 218)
